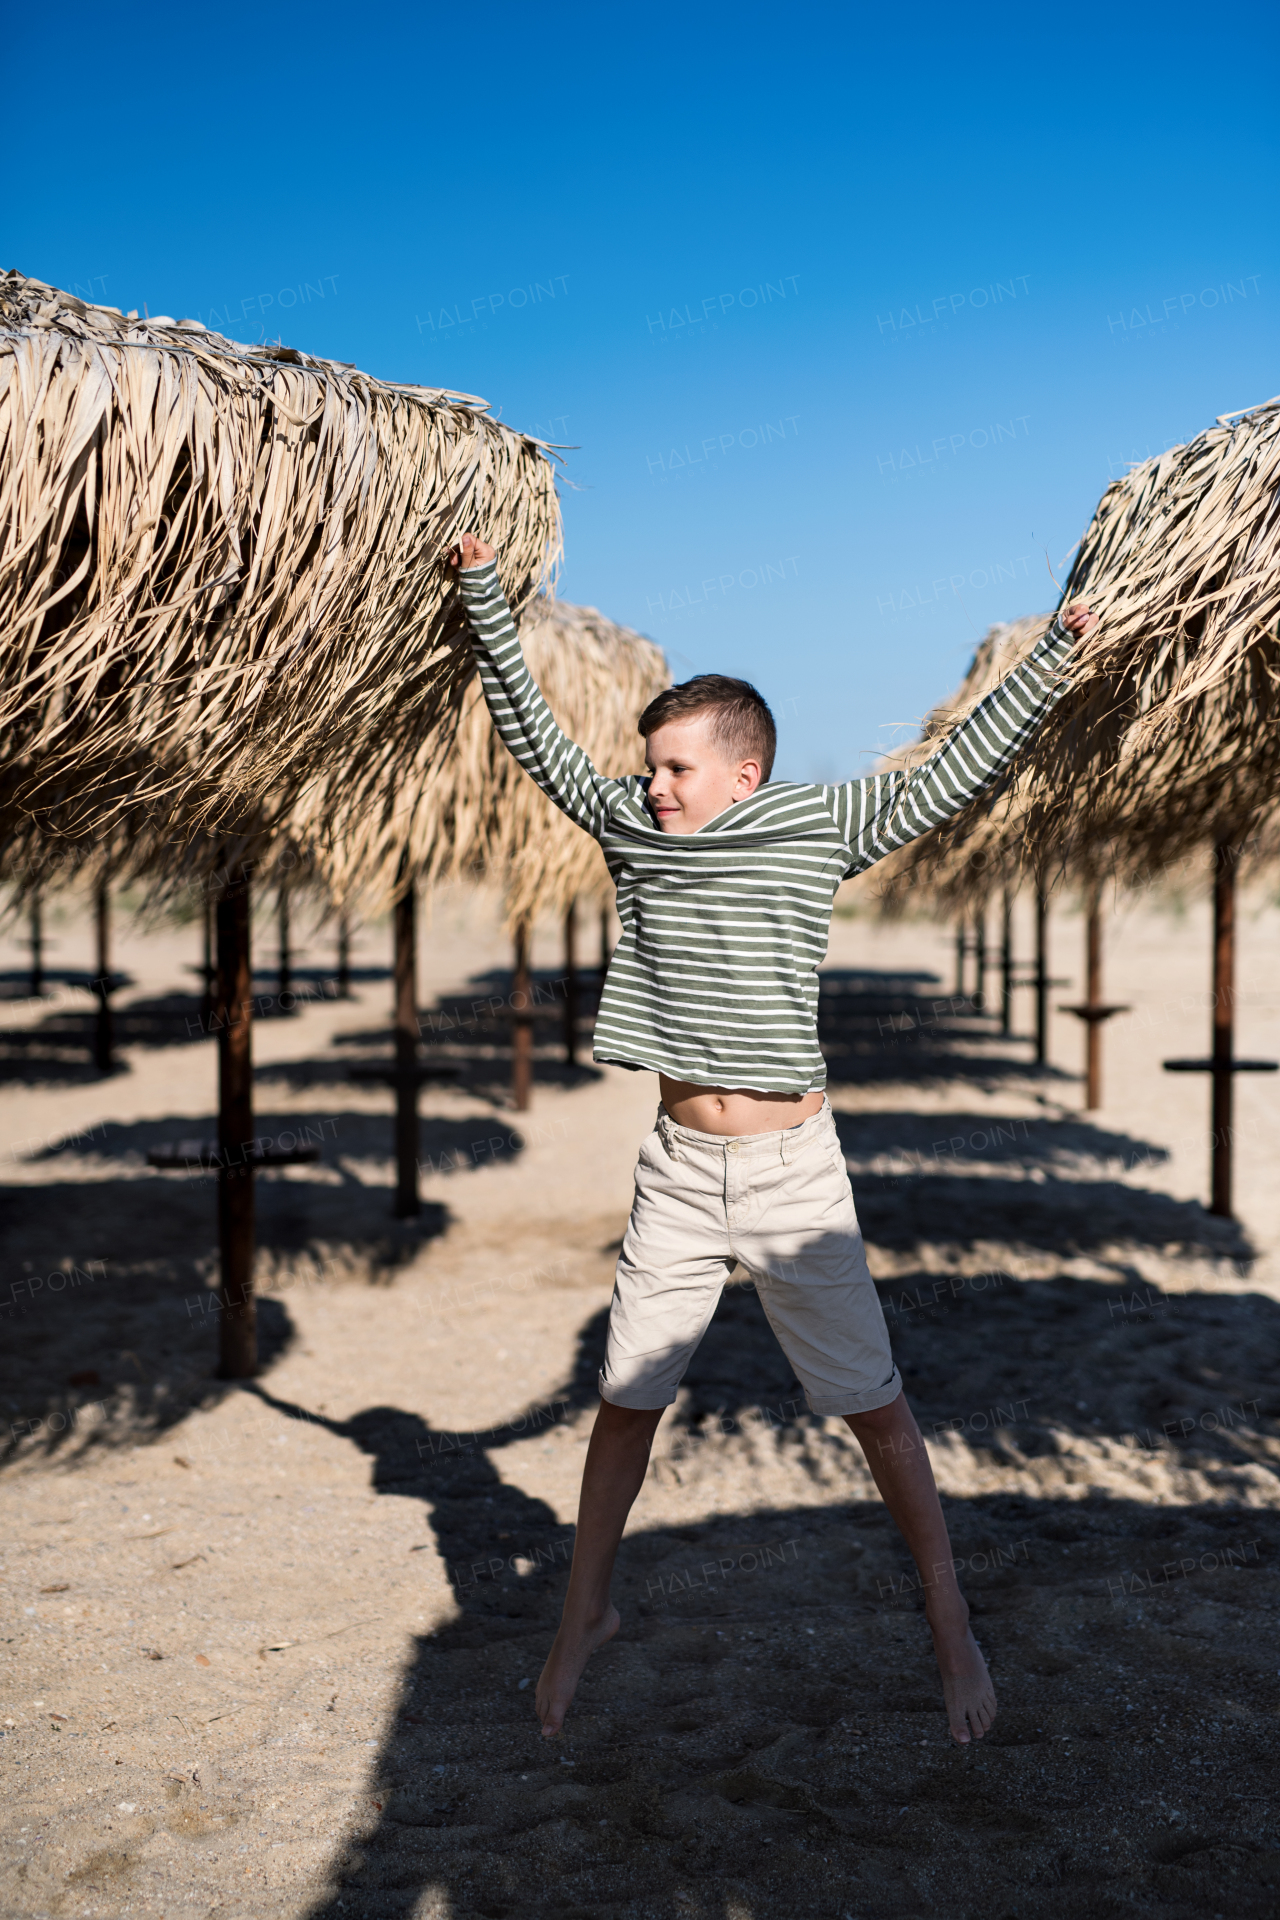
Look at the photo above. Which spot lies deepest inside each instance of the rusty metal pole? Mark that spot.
(102, 1039)
(571, 985)
(1224, 996)
(406, 1060)
(1042, 975)
(233, 1013)
(1006, 963)
(521, 1023)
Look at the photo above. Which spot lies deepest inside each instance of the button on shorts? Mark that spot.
(781, 1204)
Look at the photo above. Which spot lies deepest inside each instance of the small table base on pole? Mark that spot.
(1222, 1137)
(1094, 1013)
(238, 1326)
(1223, 1065)
(1094, 1016)
(406, 1078)
(236, 1153)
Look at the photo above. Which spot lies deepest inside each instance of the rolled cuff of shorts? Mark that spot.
(635, 1399)
(859, 1402)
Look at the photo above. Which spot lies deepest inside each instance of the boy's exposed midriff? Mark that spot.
(735, 1110)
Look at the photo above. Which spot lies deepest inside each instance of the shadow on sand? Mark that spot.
(764, 1738)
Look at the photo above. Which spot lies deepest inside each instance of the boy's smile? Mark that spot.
(691, 779)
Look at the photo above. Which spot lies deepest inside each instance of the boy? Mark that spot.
(725, 890)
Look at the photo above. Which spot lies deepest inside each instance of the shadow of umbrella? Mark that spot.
(716, 1761)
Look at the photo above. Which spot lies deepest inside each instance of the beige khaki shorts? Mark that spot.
(781, 1204)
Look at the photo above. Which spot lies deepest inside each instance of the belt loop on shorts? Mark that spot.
(666, 1128)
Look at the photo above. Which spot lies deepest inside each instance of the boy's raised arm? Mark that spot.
(524, 721)
(891, 809)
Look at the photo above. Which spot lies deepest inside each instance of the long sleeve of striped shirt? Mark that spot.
(887, 810)
(525, 723)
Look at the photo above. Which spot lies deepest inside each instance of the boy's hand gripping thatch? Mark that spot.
(471, 552)
(1076, 618)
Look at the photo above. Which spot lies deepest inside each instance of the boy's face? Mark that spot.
(692, 779)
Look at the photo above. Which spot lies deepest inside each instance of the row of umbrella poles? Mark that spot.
(1221, 1063)
(406, 1072)
(228, 1003)
(102, 982)
(1093, 1011)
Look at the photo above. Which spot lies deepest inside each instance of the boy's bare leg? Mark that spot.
(900, 1466)
(617, 1461)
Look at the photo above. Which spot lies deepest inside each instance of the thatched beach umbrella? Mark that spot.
(222, 564)
(1172, 722)
(1170, 735)
(222, 577)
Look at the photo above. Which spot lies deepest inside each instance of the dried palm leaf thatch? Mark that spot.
(1170, 734)
(222, 566)
(471, 809)
(961, 861)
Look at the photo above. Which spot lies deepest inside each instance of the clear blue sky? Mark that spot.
(850, 313)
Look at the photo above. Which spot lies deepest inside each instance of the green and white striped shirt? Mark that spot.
(715, 977)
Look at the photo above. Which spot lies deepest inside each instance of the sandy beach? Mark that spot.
(210, 1708)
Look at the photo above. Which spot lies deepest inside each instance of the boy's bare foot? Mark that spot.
(966, 1684)
(569, 1655)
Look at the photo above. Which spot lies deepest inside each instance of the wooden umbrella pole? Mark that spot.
(604, 939)
(980, 960)
(210, 970)
(521, 1023)
(1042, 975)
(232, 1013)
(286, 958)
(37, 946)
(1006, 962)
(406, 1062)
(571, 984)
(344, 956)
(102, 1039)
(962, 947)
(1224, 1000)
(1093, 1000)
(1222, 1063)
